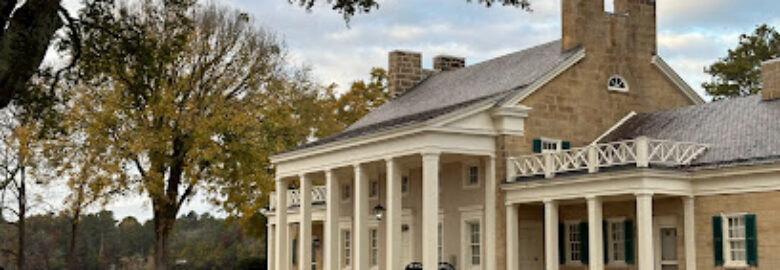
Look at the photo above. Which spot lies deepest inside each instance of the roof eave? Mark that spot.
(382, 135)
(678, 81)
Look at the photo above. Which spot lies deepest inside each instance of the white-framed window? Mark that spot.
(373, 189)
(373, 240)
(471, 175)
(405, 185)
(617, 83)
(475, 243)
(346, 248)
(346, 192)
(551, 145)
(735, 240)
(573, 243)
(471, 237)
(616, 240)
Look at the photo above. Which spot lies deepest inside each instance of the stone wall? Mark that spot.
(577, 106)
(763, 205)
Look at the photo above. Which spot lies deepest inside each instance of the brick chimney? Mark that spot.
(404, 71)
(770, 79)
(630, 28)
(447, 62)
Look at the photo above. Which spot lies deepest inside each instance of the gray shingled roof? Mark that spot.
(740, 131)
(506, 73)
(448, 91)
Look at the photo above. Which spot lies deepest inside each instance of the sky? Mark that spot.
(691, 35)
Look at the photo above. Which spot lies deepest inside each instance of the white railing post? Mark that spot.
(511, 171)
(549, 165)
(593, 158)
(642, 152)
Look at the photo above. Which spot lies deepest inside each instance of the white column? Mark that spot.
(490, 213)
(271, 246)
(512, 238)
(644, 223)
(595, 233)
(360, 248)
(331, 221)
(551, 260)
(393, 215)
(304, 229)
(430, 210)
(690, 233)
(282, 248)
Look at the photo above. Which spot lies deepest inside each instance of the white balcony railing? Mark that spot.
(642, 152)
(294, 197)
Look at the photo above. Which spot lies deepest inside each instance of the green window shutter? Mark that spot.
(537, 145)
(561, 243)
(566, 145)
(717, 239)
(605, 240)
(584, 255)
(294, 251)
(751, 240)
(629, 230)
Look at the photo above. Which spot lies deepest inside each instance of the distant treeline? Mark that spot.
(199, 242)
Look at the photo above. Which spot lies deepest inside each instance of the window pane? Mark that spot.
(473, 175)
(574, 242)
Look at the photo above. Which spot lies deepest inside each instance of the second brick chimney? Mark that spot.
(447, 62)
(770, 79)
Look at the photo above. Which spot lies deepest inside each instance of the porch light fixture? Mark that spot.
(379, 212)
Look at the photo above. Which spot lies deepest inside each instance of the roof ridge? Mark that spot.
(476, 65)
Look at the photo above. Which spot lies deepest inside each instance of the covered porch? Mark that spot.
(643, 214)
(385, 204)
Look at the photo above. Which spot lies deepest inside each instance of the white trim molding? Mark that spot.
(678, 81)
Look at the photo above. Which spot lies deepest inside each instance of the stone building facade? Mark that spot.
(588, 152)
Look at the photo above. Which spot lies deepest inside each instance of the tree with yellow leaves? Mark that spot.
(174, 99)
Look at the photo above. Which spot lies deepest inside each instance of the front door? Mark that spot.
(531, 245)
(406, 244)
(665, 234)
(668, 248)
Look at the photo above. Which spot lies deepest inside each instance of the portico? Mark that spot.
(361, 181)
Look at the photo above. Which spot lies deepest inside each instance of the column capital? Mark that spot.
(430, 153)
(389, 159)
(592, 197)
(357, 166)
(644, 194)
(549, 201)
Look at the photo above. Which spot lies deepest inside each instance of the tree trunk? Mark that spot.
(164, 218)
(21, 222)
(74, 225)
(166, 206)
(24, 43)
